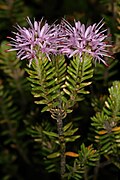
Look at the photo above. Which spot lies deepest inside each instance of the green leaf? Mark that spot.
(54, 155)
(69, 110)
(71, 73)
(71, 139)
(67, 126)
(41, 101)
(51, 134)
(51, 76)
(106, 147)
(71, 80)
(69, 86)
(53, 89)
(70, 132)
(66, 91)
(49, 71)
(63, 98)
(46, 108)
(52, 82)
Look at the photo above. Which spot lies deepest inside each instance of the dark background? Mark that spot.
(14, 165)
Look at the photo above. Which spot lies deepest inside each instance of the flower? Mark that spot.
(34, 40)
(60, 39)
(79, 40)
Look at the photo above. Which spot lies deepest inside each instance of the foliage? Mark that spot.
(12, 87)
(50, 86)
(11, 135)
(30, 144)
(106, 125)
(13, 75)
(87, 157)
(12, 12)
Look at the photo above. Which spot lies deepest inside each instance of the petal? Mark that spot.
(87, 31)
(35, 25)
(29, 22)
(78, 25)
(83, 28)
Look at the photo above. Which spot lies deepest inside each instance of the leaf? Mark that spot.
(70, 80)
(41, 101)
(66, 91)
(71, 139)
(71, 154)
(54, 155)
(70, 132)
(67, 126)
(49, 71)
(52, 82)
(52, 134)
(69, 110)
(51, 76)
(53, 89)
(69, 86)
(63, 98)
(46, 108)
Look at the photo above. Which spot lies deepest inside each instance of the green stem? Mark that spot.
(62, 144)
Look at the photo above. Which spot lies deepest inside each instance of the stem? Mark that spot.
(56, 112)
(96, 170)
(62, 143)
(86, 174)
(98, 166)
(60, 115)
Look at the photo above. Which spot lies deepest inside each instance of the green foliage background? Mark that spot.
(25, 144)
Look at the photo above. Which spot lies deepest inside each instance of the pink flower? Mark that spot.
(79, 40)
(34, 40)
(59, 39)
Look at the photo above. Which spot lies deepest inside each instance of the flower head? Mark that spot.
(79, 40)
(63, 39)
(37, 38)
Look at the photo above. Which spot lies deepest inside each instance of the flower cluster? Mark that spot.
(37, 38)
(79, 40)
(60, 39)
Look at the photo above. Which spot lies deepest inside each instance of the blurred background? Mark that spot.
(15, 11)
(22, 145)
